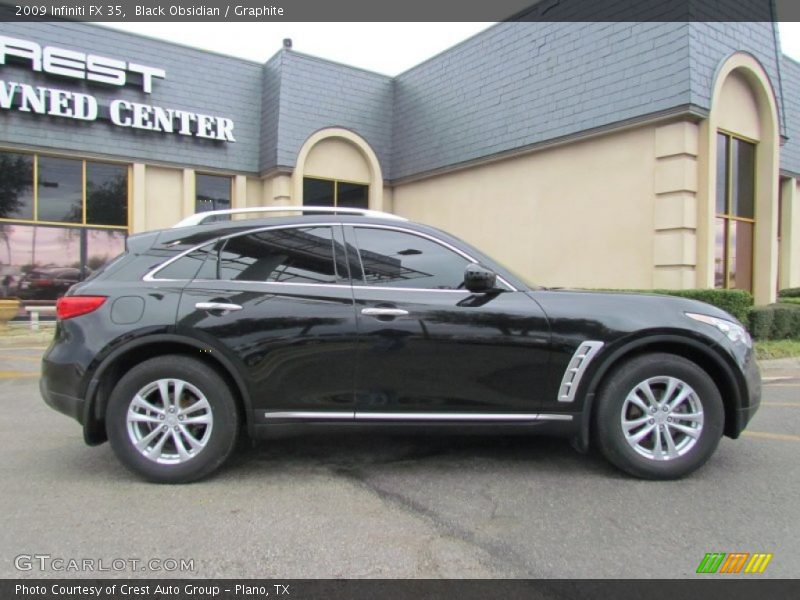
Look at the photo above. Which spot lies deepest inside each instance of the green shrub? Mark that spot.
(775, 322)
(789, 300)
(736, 302)
(760, 319)
(789, 293)
(795, 333)
(782, 322)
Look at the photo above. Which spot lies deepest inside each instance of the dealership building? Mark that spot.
(598, 155)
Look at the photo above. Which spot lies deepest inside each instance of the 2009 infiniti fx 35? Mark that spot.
(202, 333)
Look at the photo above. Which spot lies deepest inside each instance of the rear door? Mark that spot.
(429, 349)
(278, 303)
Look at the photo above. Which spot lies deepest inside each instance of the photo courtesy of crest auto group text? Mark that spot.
(513, 301)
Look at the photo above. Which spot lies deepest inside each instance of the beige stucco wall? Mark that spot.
(675, 211)
(254, 195)
(272, 190)
(163, 197)
(336, 158)
(789, 275)
(738, 109)
(581, 214)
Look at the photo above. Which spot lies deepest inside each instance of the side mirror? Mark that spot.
(479, 279)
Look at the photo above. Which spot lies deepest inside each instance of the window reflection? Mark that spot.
(735, 207)
(743, 196)
(722, 174)
(60, 190)
(283, 255)
(106, 194)
(719, 254)
(43, 261)
(741, 261)
(103, 246)
(39, 262)
(318, 192)
(329, 192)
(212, 192)
(187, 267)
(395, 259)
(16, 186)
(352, 195)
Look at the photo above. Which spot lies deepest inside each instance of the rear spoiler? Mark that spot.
(140, 243)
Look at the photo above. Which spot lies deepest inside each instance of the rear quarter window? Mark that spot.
(188, 266)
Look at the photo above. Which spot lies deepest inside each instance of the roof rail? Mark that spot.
(199, 218)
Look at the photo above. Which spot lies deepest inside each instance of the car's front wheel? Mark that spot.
(172, 419)
(659, 416)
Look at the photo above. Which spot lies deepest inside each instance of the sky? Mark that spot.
(388, 48)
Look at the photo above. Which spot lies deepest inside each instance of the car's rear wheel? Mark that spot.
(172, 419)
(659, 416)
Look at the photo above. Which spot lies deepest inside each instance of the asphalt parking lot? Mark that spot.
(378, 506)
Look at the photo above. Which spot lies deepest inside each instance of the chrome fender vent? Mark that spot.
(576, 368)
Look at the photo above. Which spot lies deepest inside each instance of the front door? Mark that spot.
(429, 348)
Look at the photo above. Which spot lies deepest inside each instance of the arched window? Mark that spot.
(737, 220)
(337, 167)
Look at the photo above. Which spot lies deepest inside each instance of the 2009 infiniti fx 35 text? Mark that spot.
(202, 333)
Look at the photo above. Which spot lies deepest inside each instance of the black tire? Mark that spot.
(639, 458)
(219, 440)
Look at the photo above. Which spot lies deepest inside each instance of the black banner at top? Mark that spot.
(405, 10)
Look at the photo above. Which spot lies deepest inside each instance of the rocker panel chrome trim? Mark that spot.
(395, 416)
(310, 414)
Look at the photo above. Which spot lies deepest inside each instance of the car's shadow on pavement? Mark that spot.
(360, 452)
(351, 454)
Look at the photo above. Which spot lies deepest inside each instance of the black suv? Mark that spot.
(202, 333)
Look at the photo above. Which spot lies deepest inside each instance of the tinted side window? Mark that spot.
(397, 259)
(298, 255)
(187, 267)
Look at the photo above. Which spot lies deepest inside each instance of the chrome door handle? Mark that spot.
(217, 306)
(384, 312)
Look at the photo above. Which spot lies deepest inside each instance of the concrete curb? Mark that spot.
(780, 363)
(41, 339)
(784, 368)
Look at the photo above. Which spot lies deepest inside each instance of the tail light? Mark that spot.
(75, 306)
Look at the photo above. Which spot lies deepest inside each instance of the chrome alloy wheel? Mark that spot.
(169, 421)
(662, 418)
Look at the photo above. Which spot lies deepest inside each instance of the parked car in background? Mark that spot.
(47, 283)
(352, 319)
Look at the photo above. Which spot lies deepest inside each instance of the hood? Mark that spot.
(602, 313)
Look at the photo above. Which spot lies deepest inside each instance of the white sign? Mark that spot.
(84, 107)
(68, 63)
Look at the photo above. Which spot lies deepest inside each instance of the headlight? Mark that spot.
(733, 331)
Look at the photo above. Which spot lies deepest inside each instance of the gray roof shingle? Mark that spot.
(790, 151)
